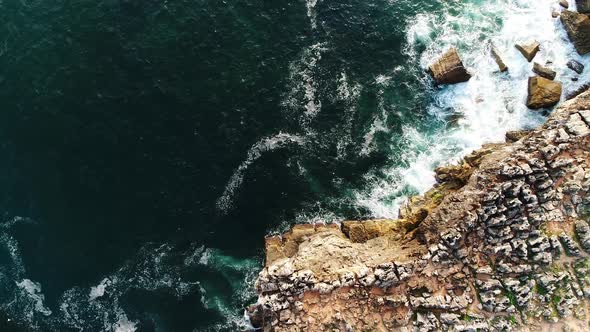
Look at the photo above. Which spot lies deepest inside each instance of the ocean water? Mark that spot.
(147, 147)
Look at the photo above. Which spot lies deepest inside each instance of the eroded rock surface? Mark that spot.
(543, 92)
(501, 243)
(530, 50)
(449, 69)
(577, 27)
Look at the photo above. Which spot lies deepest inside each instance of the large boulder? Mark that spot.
(496, 55)
(529, 50)
(544, 71)
(577, 27)
(583, 6)
(543, 93)
(449, 69)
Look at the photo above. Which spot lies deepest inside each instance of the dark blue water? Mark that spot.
(147, 147)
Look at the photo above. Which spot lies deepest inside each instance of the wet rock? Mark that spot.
(543, 71)
(449, 69)
(575, 66)
(529, 50)
(496, 55)
(564, 4)
(583, 6)
(542, 93)
(577, 27)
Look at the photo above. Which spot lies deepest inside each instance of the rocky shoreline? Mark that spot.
(501, 243)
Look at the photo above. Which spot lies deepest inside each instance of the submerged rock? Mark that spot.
(577, 27)
(575, 66)
(542, 93)
(498, 59)
(449, 69)
(543, 71)
(529, 50)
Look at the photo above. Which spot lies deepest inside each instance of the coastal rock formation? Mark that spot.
(542, 92)
(529, 50)
(501, 243)
(449, 69)
(543, 71)
(496, 55)
(577, 27)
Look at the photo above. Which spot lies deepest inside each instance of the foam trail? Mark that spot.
(304, 87)
(266, 144)
(488, 105)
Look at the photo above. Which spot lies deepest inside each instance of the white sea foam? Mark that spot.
(99, 290)
(281, 140)
(33, 291)
(490, 104)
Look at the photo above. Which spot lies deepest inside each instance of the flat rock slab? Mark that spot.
(543, 93)
(544, 71)
(449, 69)
(577, 27)
(529, 50)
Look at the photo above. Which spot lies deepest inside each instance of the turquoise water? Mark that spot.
(147, 147)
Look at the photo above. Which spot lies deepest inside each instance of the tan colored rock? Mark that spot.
(449, 69)
(516, 135)
(543, 71)
(577, 27)
(496, 55)
(529, 50)
(542, 93)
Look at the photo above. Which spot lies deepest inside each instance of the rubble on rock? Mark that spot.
(506, 245)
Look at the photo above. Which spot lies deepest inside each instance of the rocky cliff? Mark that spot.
(502, 242)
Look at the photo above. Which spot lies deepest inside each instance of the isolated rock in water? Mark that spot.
(449, 69)
(498, 59)
(575, 66)
(554, 13)
(583, 6)
(543, 93)
(577, 27)
(543, 71)
(529, 50)
(564, 4)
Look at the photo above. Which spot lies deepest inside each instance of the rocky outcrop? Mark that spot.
(500, 243)
(543, 71)
(577, 27)
(529, 50)
(449, 69)
(542, 93)
(496, 55)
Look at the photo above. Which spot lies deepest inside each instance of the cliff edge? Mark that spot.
(502, 242)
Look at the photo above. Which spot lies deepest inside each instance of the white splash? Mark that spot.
(34, 293)
(266, 144)
(99, 290)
